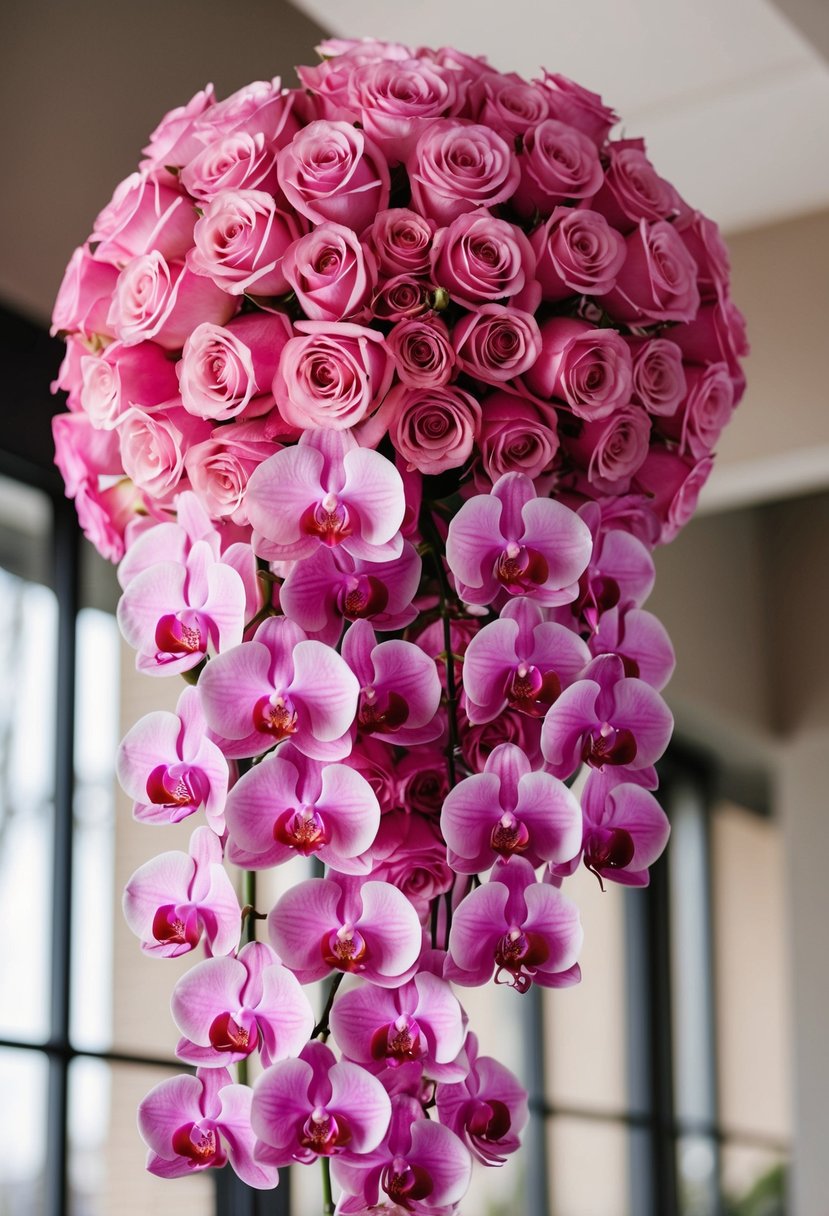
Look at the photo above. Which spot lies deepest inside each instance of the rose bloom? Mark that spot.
(697, 423)
(122, 376)
(240, 242)
(220, 467)
(572, 103)
(423, 781)
(557, 163)
(261, 107)
(672, 483)
(611, 450)
(174, 141)
(85, 296)
(331, 272)
(433, 429)
(477, 742)
(232, 162)
(161, 302)
(508, 104)
(402, 297)
(422, 352)
(458, 167)
(701, 237)
(332, 171)
(415, 858)
(658, 374)
(479, 258)
(332, 375)
(224, 370)
(632, 189)
(577, 252)
(658, 281)
(153, 447)
(402, 241)
(143, 215)
(393, 101)
(495, 344)
(586, 367)
(515, 437)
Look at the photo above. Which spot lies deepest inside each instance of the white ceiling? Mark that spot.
(732, 100)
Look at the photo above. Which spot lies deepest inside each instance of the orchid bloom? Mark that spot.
(399, 687)
(640, 640)
(487, 1109)
(620, 572)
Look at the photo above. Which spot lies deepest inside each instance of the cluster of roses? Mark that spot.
(414, 351)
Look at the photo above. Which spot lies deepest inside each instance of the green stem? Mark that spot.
(327, 1196)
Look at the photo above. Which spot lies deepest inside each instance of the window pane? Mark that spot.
(23, 1086)
(588, 1167)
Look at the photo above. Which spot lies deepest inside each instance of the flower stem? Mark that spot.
(432, 536)
(321, 1030)
(327, 1197)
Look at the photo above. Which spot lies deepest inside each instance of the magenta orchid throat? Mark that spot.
(381, 391)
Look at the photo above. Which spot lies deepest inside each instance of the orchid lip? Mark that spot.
(345, 949)
(609, 745)
(519, 955)
(229, 1035)
(519, 569)
(362, 597)
(328, 520)
(176, 638)
(406, 1183)
(397, 1042)
(372, 719)
(275, 715)
(532, 691)
(509, 836)
(324, 1133)
(302, 829)
(199, 1143)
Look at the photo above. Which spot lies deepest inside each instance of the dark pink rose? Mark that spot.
(259, 108)
(571, 103)
(402, 297)
(330, 271)
(515, 437)
(402, 241)
(588, 368)
(508, 104)
(558, 162)
(577, 252)
(240, 242)
(702, 239)
(658, 281)
(84, 297)
(632, 189)
(495, 344)
(479, 259)
(153, 447)
(332, 171)
(611, 450)
(231, 162)
(477, 742)
(332, 375)
(174, 141)
(422, 352)
(672, 484)
(457, 167)
(394, 100)
(122, 376)
(433, 429)
(160, 302)
(717, 333)
(413, 858)
(143, 215)
(658, 374)
(697, 423)
(225, 369)
(220, 467)
(423, 781)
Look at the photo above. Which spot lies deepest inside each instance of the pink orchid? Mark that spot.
(387, 1027)
(316, 1107)
(421, 1166)
(192, 1123)
(331, 586)
(640, 640)
(522, 929)
(515, 542)
(522, 661)
(399, 687)
(326, 490)
(280, 686)
(604, 718)
(226, 1008)
(625, 830)
(176, 898)
(363, 928)
(620, 572)
(170, 766)
(487, 1109)
(290, 804)
(509, 810)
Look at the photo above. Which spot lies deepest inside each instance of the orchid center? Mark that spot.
(302, 829)
(398, 1042)
(328, 520)
(179, 634)
(509, 836)
(345, 949)
(237, 1035)
(324, 1133)
(275, 715)
(384, 715)
(490, 1120)
(362, 596)
(608, 849)
(608, 745)
(520, 569)
(532, 691)
(519, 954)
(405, 1183)
(199, 1143)
(177, 785)
(177, 925)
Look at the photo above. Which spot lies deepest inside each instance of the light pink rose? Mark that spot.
(508, 104)
(611, 449)
(658, 281)
(457, 167)
(224, 371)
(697, 423)
(220, 467)
(588, 368)
(123, 376)
(422, 352)
(332, 375)
(658, 375)
(153, 447)
(232, 162)
(83, 453)
(515, 438)
(174, 140)
(480, 259)
(259, 108)
(331, 272)
(394, 99)
(402, 297)
(161, 302)
(332, 171)
(632, 189)
(572, 103)
(577, 252)
(557, 163)
(672, 483)
(433, 429)
(84, 297)
(495, 344)
(240, 242)
(402, 241)
(143, 215)
(70, 373)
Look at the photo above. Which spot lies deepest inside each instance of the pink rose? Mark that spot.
(658, 374)
(477, 742)
(423, 779)
(571, 103)
(673, 484)
(174, 141)
(433, 429)
(225, 370)
(458, 167)
(632, 189)
(701, 237)
(82, 453)
(515, 438)
(394, 99)
(332, 171)
(413, 858)
(161, 302)
(611, 450)
(717, 333)
(240, 242)
(153, 447)
(232, 162)
(588, 368)
(577, 252)
(220, 467)
(478, 259)
(495, 344)
(84, 297)
(331, 272)
(143, 215)
(123, 376)
(259, 108)
(402, 241)
(333, 375)
(557, 163)
(422, 352)
(401, 297)
(697, 423)
(658, 281)
(508, 104)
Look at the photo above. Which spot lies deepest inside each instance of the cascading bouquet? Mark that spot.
(381, 390)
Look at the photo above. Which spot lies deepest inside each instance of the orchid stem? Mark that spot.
(327, 1197)
(321, 1030)
(435, 547)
